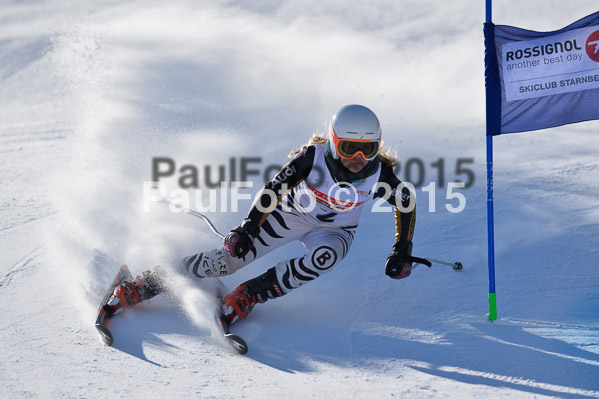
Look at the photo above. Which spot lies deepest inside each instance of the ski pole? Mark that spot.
(198, 215)
(427, 261)
(455, 265)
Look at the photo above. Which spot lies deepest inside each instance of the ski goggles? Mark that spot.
(349, 149)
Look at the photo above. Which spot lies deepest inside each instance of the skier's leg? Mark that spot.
(279, 228)
(326, 248)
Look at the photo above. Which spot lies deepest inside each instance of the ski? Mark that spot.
(235, 340)
(105, 312)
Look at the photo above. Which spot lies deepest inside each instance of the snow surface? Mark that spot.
(91, 93)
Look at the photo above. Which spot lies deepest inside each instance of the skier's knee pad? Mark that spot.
(324, 256)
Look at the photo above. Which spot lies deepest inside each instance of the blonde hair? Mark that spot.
(386, 155)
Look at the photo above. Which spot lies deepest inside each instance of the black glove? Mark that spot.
(240, 240)
(399, 263)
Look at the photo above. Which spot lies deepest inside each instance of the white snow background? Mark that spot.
(92, 91)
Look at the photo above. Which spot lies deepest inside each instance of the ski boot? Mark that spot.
(141, 288)
(240, 302)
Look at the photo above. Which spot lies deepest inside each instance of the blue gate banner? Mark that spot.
(537, 80)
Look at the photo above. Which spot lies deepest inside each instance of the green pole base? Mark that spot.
(492, 306)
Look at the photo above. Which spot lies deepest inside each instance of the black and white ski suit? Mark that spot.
(306, 202)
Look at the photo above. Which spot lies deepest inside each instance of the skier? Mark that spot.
(316, 198)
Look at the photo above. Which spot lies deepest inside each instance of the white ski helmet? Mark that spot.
(354, 130)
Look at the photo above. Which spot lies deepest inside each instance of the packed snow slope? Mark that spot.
(93, 92)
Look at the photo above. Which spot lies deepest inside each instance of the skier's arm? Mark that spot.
(398, 265)
(405, 220)
(240, 241)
